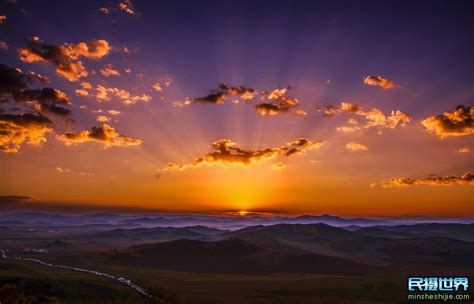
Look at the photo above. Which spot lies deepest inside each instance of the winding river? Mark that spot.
(123, 281)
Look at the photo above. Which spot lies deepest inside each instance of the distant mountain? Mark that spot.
(155, 234)
(309, 237)
(336, 220)
(230, 256)
(464, 232)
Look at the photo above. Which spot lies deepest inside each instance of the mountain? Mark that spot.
(336, 220)
(436, 250)
(464, 232)
(309, 237)
(230, 256)
(155, 234)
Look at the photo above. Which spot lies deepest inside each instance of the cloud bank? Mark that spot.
(225, 152)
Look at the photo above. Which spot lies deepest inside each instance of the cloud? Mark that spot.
(278, 166)
(276, 103)
(3, 45)
(38, 77)
(114, 112)
(103, 118)
(432, 180)
(346, 129)
(127, 6)
(273, 102)
(14, 86)
(352, 146)
(226, 153)
(109, 70)
(127, 98)
(103, 94)
(69, 171)
(104, 134)
(14, 199)
(460, 122)
(47, 100)
(157, 87)
(464, 150)
(3, 19)
(16, 130)
(65, 57)
(380, 82)
(30, 127)
(219, 95)
(373, 118)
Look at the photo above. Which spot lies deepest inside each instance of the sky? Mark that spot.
(285, 107)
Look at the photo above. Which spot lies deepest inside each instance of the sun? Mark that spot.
(243, 212)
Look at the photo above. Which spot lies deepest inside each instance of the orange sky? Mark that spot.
(302, 124)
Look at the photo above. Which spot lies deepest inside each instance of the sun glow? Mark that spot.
(243, 213)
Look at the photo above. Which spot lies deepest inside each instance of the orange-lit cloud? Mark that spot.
(352, 146)
(103, 94)
(157, 87)
(103, 118)
(380, 82)
(109, 70)
(277, 102)
(28, 128)
(69, 171)
(226, 153)
(278, 166)
(104, 134)
(432, 180)
(373, 118)
(16, 130)
(460, 122)
(3, 19)
(127, 6)
(65, 57)
(464, 150)
(114, 112)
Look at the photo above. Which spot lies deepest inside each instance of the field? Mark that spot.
(258, 264)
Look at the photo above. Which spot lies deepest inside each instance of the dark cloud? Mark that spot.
(104, 134)
(460, 122)
(65, 57)
(31, 126)
(219, 95)
(432, 180)
(38, 77)
(225, 152)
(14, 86)
(13, 199)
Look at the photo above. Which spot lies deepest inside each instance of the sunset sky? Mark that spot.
(284, 107)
